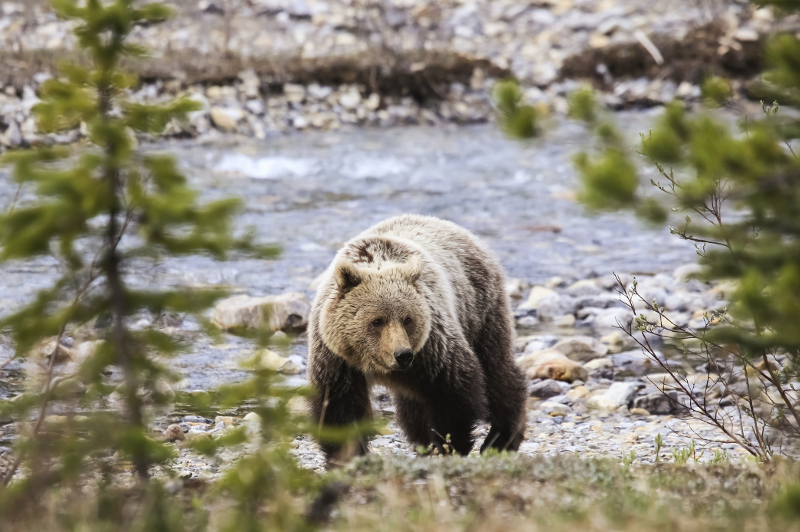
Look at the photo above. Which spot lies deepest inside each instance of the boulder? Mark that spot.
(286, 311)
(581, 348)
(551, 364)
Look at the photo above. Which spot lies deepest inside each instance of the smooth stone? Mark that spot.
(555, 409)
(550, 364)
(581, 348)
(618, 395)
(545, 389)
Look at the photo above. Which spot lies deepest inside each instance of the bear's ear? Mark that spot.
(412, 268)
(347, 275)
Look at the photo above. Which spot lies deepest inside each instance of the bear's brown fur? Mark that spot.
(421, 289)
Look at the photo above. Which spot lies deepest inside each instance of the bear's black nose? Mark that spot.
(404, 357)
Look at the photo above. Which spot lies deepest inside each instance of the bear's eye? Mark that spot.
(378, 322)
(407, 321)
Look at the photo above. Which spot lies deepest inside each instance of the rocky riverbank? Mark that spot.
(258, 67)
(593, 392)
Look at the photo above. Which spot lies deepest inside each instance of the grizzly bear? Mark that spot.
(416, 304)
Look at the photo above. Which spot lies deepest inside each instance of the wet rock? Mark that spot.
(546, 389)
(581, 348)
(551, 364)
(286, 311)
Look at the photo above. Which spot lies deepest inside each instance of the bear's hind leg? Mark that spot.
(506, 388)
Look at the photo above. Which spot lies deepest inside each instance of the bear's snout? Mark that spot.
(404, 357)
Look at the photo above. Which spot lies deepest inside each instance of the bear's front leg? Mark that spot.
(341, 400)
(458, 402)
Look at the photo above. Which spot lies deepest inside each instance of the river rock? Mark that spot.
(350, 98)
(552, 408)
(583, 288)
(617, 341)
(632, 362)
(598, 363)
(272, 360)
(581, 348)
(566, 321)
(174, 433)
(516, 287)
(285, 311)
(536, 296)
(546, 389)
(578, 392)
(687, 271)
(539, 342)
(658, 403)
(612, 318)
(551, 364)
(226, 118)
(618, 395)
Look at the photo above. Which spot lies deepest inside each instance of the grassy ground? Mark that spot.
(564, 493)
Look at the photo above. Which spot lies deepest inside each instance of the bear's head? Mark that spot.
(376, 318)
